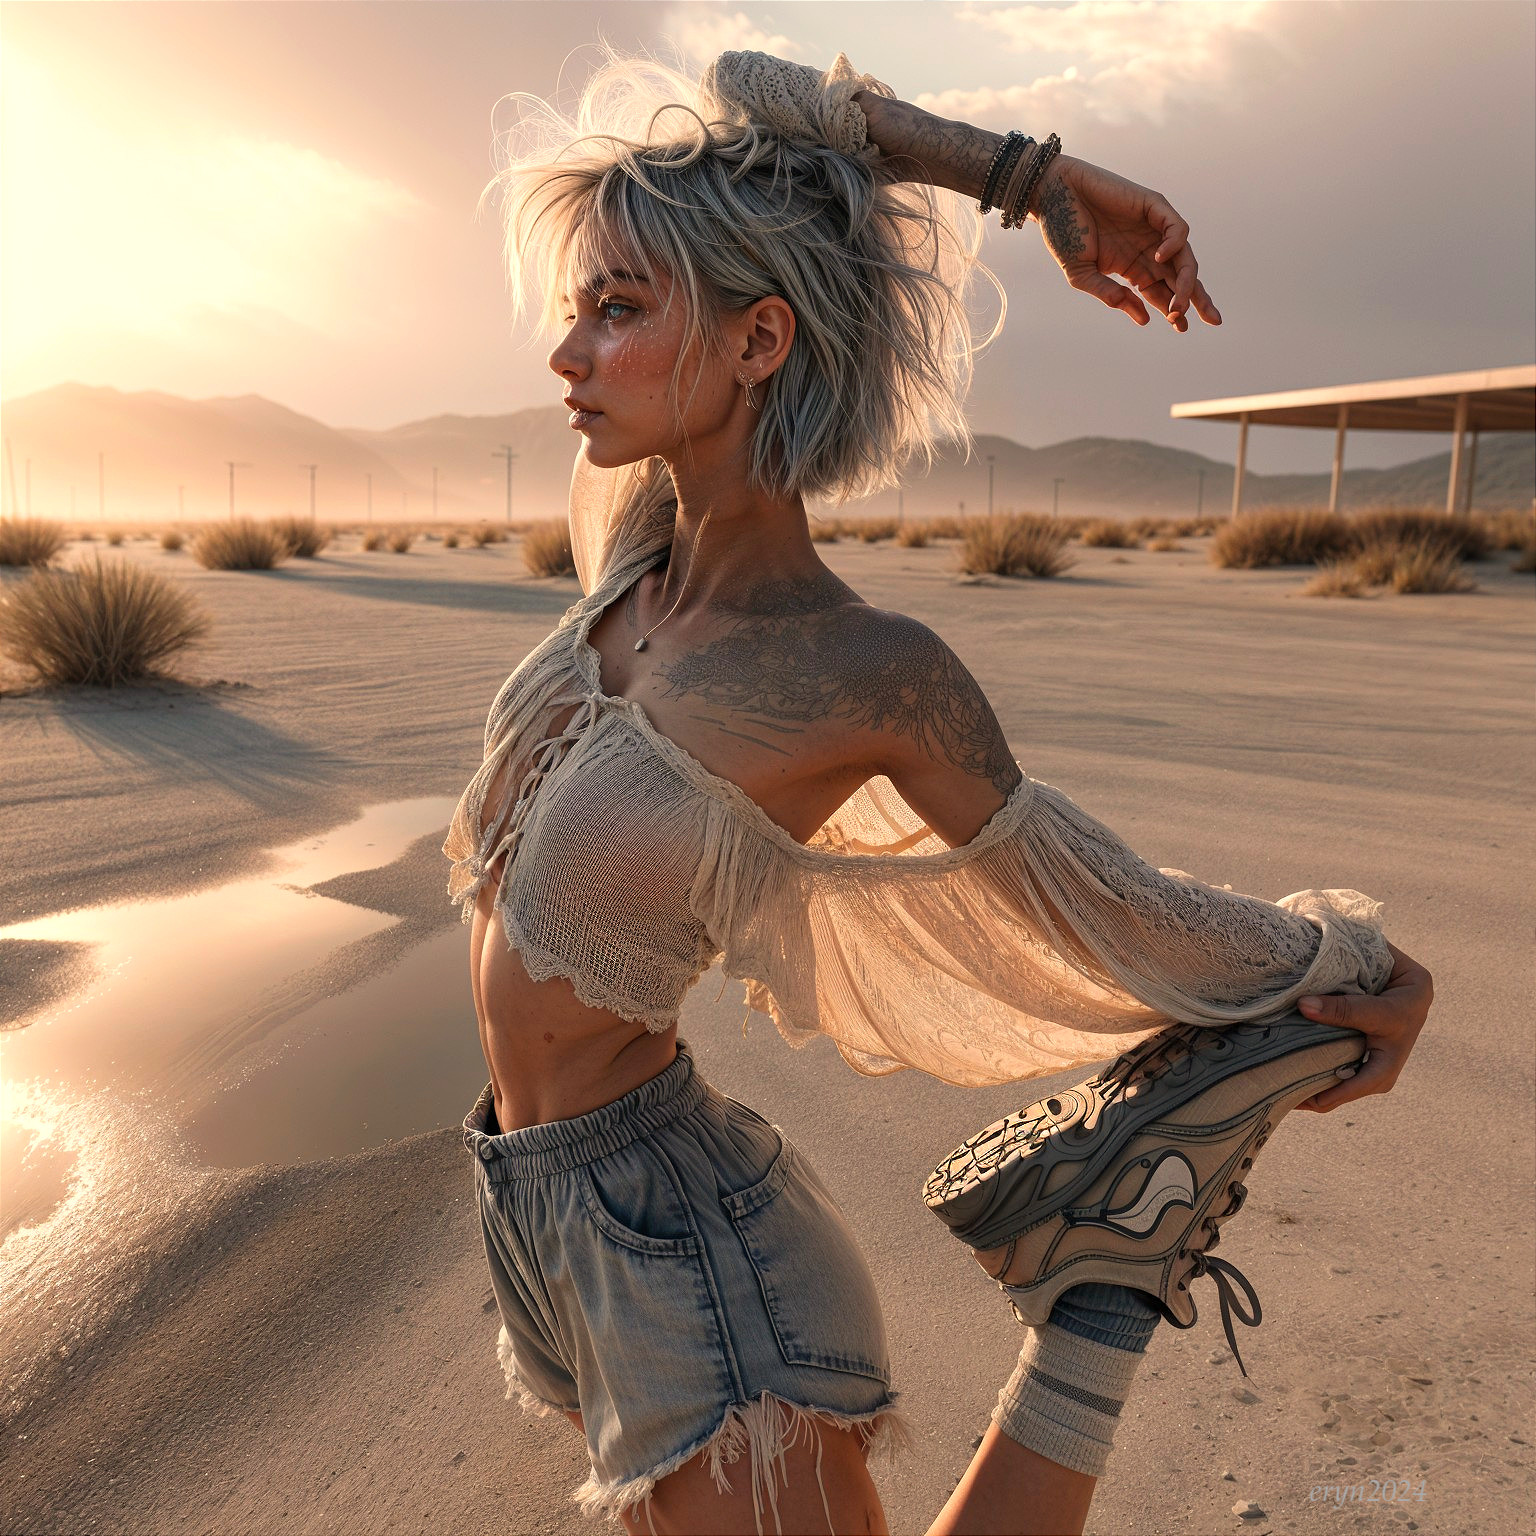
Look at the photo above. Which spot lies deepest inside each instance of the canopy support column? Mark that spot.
(1458, 435)
(1471, 473)
(1242, 459)
(1338, 458)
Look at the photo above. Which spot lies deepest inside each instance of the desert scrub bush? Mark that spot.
(872, 529)
(99, 624)
(1148, 527)
(945, 527)
(1109, 533)
(547, 548)
(1425, 565)
(1163, 544)
(913, 535)
(1304, 536)
(303, 536)
(114, 537)
(29, 540)
(373, 539)
(1511, 529)
(239, 545)
(1336, 578)
(1467, 538)
(825, 532)
(399, 541)
(1014, 544)
(450, 540)
(172, 538)
(488, 533)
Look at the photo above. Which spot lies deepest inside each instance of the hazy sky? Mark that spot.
(220, 199)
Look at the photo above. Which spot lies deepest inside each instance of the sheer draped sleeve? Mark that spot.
(618, 515)
(1042, 945)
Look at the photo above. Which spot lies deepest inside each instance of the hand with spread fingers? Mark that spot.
(1390, 1021)
(1100, 226)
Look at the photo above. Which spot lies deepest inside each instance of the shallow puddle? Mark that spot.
(172, 1027)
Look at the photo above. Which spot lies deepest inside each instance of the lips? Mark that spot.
(583, 418)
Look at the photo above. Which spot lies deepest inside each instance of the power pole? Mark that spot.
(1056, 493)
(232, 468)
(990, 458)
(505, 451)
(311, 468)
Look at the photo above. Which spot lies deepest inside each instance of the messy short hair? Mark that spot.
(731, 211)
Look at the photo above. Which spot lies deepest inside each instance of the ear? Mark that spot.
(766, 329)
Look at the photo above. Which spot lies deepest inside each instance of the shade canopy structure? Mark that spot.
(1485, 400)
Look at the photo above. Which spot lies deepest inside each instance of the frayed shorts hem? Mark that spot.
(765, 1429)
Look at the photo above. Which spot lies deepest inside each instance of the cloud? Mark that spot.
(1115, 62)
(703, 33)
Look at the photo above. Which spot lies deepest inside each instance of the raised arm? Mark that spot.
(1096, 224)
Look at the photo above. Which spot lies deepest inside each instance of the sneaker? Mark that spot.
(1126, 1177)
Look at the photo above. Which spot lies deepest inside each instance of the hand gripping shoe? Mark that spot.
(1126, 1177)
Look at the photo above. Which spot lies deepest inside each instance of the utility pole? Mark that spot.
(990, 458)
(232, 468)
(434, 492)
(1200, 492)
(1056, 493)
(370, 498)
(505, 451)
(311, 468)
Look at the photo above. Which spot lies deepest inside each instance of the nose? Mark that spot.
(566, 359)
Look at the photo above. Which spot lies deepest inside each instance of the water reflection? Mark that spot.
(163, 1027)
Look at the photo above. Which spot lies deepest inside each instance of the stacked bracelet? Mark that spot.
(1022, 184)
(1008, 154)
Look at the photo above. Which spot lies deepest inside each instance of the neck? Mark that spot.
(729, 539)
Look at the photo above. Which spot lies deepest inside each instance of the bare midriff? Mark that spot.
(550, 1055)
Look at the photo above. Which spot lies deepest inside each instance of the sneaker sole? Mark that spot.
(1065, 1141)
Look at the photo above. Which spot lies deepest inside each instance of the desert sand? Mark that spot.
(306, 1344)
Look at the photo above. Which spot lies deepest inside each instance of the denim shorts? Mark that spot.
(671, 1267)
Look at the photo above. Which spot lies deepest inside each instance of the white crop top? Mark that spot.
(1041, 945)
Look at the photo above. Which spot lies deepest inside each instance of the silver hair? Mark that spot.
(730, 211)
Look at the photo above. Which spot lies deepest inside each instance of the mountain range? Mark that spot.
(108, 455)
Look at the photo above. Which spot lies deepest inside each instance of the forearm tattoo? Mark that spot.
(1057, 213)
(785, 670)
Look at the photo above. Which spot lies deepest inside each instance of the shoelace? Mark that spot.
(1155, 1056)
(1224, 1274)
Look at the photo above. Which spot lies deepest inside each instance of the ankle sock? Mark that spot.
(1064, 1398)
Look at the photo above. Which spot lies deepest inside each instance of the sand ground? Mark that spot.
(309, 1348)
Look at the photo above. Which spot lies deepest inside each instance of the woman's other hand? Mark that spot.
(1100, 226)
(1390, 1021)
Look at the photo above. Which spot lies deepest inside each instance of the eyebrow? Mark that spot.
(594, 285)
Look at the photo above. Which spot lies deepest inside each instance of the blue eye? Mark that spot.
(608, 304)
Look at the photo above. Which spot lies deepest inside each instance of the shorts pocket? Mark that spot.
(818, 1290)
(617, 1219)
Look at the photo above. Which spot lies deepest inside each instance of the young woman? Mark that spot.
(723, 753)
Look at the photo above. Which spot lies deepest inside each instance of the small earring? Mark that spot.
(741, 378)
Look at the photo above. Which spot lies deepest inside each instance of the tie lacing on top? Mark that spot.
(1172, 1050)
(546, 756)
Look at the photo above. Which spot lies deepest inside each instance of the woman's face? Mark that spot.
(617, 358)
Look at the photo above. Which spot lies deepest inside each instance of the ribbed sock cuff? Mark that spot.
(1064, 1398)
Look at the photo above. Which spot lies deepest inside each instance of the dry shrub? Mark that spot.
(1148, 527)
(303, 536)
(547, 548)
(945, 527)
(400, 541)
(1303, 536)
(1193, 527)
(1109, 533)
(99, 624)
(85, 536)
(172, 538)
(373, 539)
(488, 533)
(1466, 538)
(913, 535)
(1337, 578)
(1164, 545)
(1425, 565)
(872, 529)
(1511, 529)
(825, 532)
(450, 540)
(239, 545)
(1014, 544)
(114, 537)
(29, 540)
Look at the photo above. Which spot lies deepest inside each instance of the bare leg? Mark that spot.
(1011, 1490)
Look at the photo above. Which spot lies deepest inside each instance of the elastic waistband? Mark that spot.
(538, 1151)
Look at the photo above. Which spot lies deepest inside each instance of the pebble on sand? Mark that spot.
(1248, 1510)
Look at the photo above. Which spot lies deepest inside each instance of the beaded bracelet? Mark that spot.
(1013, 144)
(1016, 208)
